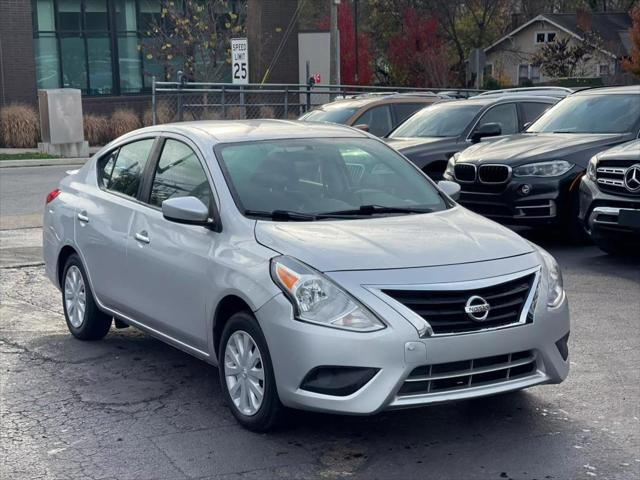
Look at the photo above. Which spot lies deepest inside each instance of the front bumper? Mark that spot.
(526, 201)
(600, 212)
(296, 348)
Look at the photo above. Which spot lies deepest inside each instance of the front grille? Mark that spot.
(445, 377)
(465, 172)
(493, 173)
(610, 176)
(444, 310)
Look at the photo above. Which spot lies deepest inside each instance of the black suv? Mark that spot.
(431, 136)
(610, 199)
(532, 178)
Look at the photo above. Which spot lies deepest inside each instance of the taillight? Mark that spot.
(53, 195)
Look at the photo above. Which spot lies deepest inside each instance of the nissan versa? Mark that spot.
(533, 178)
(314, 264)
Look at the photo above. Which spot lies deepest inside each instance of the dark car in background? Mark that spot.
(610, 199)
(532, 178)
(375, 113)
(431, 136)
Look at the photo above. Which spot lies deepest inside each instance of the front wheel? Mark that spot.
(84, 319)
(246, 374)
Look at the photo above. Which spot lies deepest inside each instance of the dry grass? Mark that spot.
(235, 113)
(96, 129)
(267, 112)
(19, 126)
(163, 115)
(123, 121)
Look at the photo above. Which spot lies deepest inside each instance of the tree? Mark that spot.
(561, 58)
(348, 50)
(417, 54)
(632, 64)
(194, 36)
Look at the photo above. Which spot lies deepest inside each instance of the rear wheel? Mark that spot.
(246, 374)
(84, 319)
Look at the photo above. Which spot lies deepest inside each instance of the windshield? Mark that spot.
(443, 120)
(324, 175)
(590, 114)
(334, 115)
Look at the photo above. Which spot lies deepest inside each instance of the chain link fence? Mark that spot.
(176, 101)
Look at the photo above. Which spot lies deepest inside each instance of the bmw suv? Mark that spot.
(533, 178)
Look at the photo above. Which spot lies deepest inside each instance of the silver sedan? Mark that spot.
(313, 264)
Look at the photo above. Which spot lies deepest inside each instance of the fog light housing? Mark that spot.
(525, 189)
(563, 347)
(337, 381)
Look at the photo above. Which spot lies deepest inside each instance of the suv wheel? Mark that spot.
(84, 319)
(246, 374)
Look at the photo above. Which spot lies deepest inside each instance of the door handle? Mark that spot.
(142, 236)
(82, 216)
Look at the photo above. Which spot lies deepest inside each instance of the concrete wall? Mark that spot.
(17, 64)
(519, 49)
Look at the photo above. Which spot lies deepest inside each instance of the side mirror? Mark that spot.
(363, 126)
(450, 188)
(189, 210)
(486, 130)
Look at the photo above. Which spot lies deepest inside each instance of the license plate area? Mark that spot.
(629, 218)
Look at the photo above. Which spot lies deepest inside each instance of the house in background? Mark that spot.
(510, 59)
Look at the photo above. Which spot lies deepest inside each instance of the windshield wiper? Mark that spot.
(374, 209)
(282, 215)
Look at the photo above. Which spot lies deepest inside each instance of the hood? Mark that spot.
(522, 148)
(406, 145)
(626, 151)
(444, 238)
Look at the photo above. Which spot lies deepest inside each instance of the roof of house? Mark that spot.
(613, 27)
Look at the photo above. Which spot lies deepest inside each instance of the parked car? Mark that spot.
(532, 179)
(316, 266)
(430, 137)
(610, 199)
(375, 113)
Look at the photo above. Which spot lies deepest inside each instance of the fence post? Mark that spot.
(153, 100)
(286, 103)
(308, 96)
(180, 102)
(224, 106)
(243, 108)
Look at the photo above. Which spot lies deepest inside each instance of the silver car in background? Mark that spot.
(316, 266)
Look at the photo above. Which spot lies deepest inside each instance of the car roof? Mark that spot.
(231, 131)
(610, 90)
(361, 101)
(560, 92)
(490, 99)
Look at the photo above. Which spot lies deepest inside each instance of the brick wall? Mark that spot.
(17, 64)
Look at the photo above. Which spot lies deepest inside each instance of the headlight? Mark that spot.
(555, 295)
(451, 165)
(591, 169)
(554, 168)
(317, 299)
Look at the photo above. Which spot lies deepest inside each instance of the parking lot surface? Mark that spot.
(131, 407)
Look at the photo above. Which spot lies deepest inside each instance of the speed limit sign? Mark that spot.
(239, 61)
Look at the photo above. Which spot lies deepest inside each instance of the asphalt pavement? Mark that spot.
(131, 407)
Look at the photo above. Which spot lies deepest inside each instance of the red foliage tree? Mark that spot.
(632, 64)
(417, 54)
(348, 49)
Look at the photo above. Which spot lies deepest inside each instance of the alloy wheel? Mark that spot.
(75, 296)
(244, 372)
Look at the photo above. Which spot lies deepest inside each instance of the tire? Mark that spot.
(87, 323)
(574, 228)
(262, 417)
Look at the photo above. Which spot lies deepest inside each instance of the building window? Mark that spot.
(528, 72)
(603, 70)
(545, 37)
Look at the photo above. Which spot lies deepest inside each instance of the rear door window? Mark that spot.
(121, 171)
(405, 110)
(378, 119)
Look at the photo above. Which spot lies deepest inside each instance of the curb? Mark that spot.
(43, 162)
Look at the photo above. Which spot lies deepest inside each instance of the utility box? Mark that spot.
(61, 124)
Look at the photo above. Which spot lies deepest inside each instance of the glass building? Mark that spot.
(94, 45)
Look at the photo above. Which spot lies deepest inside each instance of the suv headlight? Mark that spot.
(316, 299)
(554, 168)
(555, 294)
(591, 168)
(451, 165)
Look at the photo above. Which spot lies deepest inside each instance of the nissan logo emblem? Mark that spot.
(477, 308)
